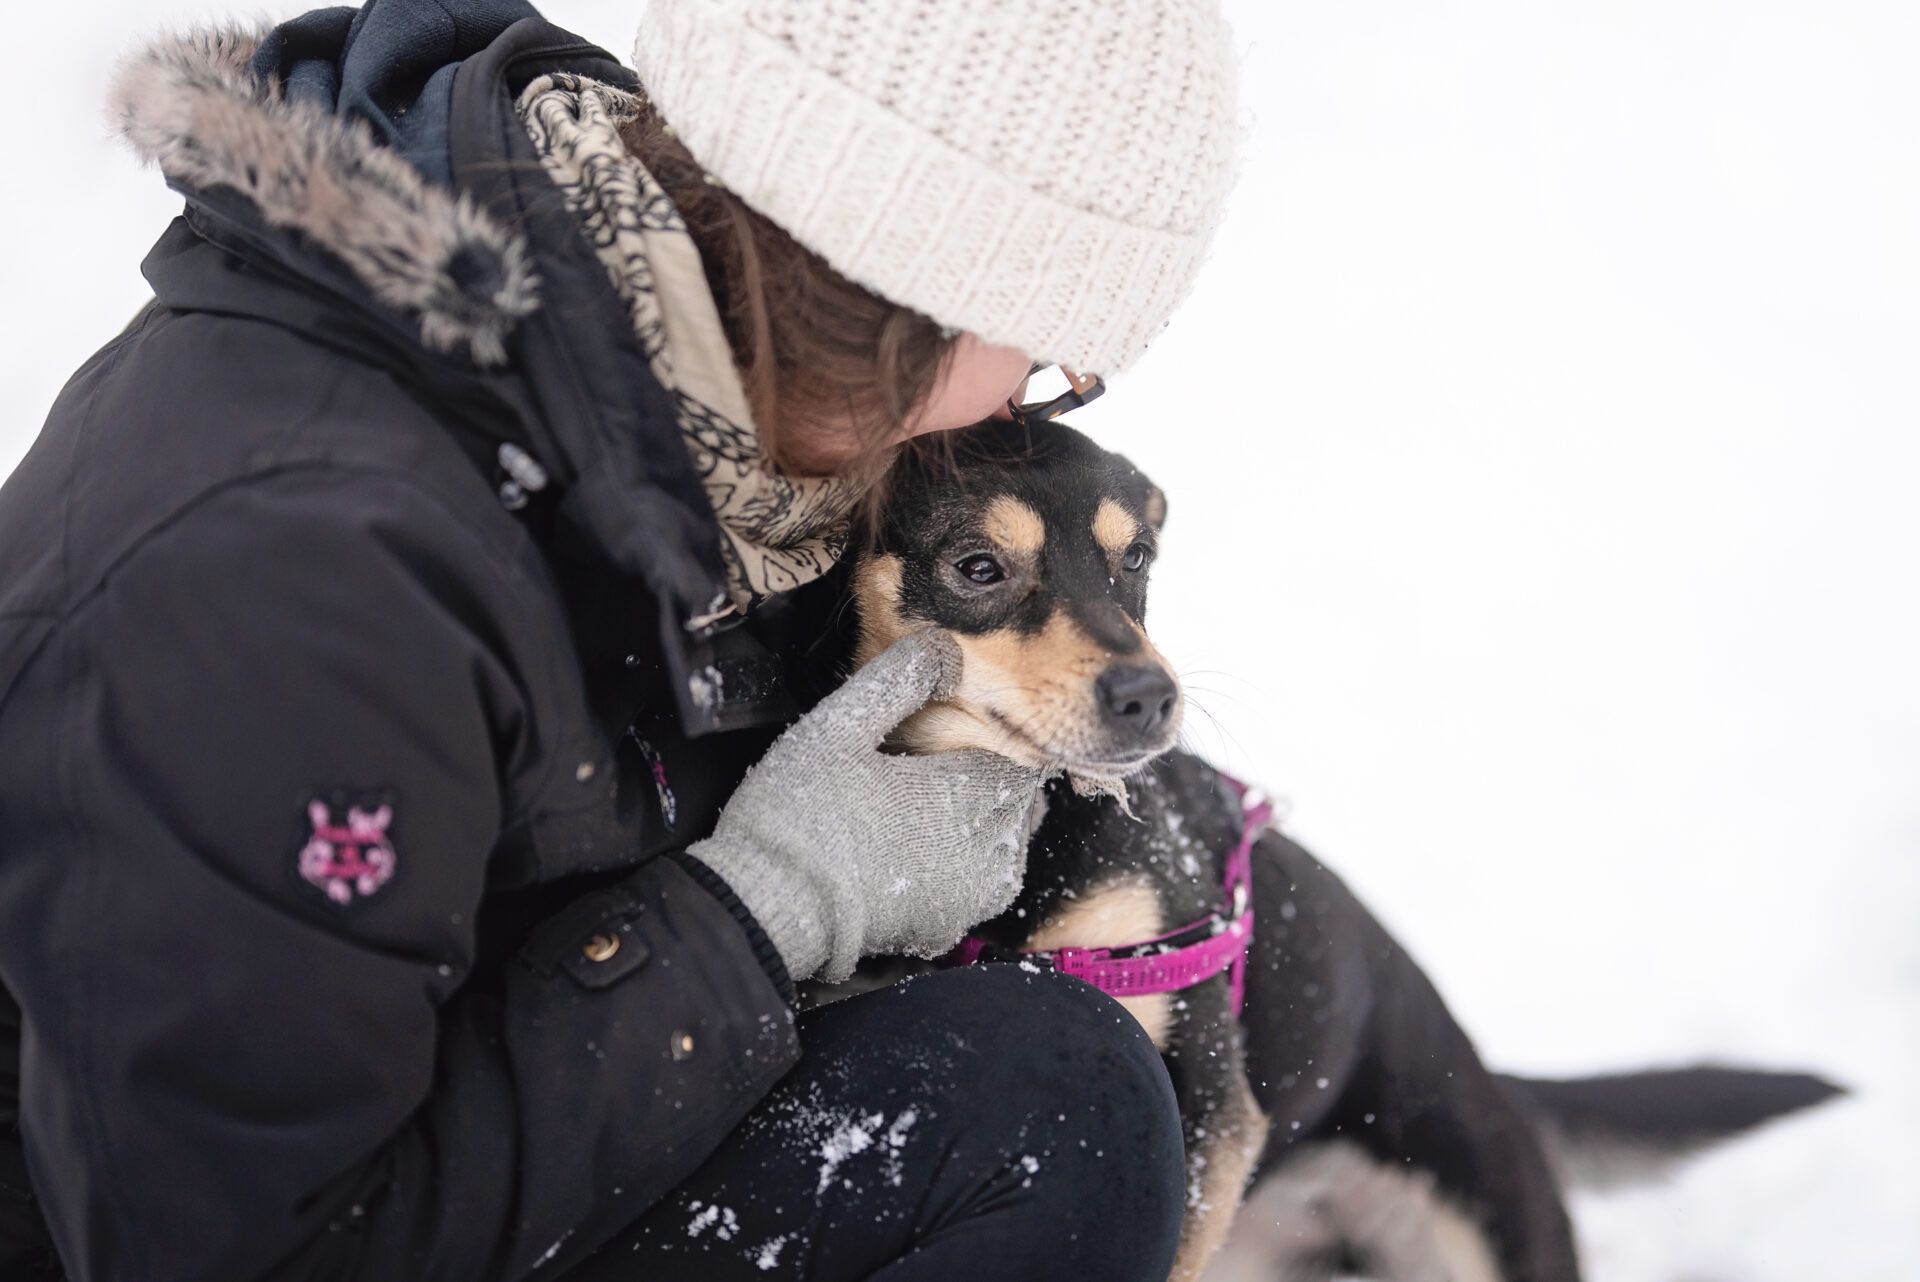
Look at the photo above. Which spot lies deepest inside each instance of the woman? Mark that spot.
(390, 615)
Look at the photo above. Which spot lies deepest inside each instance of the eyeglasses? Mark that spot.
(1080, 388)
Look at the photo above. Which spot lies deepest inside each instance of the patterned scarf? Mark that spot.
(778, 532)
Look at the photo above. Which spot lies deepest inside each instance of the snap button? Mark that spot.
(584, 771)
(601, 947)
(682, 1044)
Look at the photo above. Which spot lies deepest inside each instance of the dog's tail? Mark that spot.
(1624, 1128)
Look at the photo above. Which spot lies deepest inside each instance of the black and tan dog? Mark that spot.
(1031, 549)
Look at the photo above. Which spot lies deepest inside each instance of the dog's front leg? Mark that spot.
(1224, 1127)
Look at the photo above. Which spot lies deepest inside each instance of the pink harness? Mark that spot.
(1163, 964)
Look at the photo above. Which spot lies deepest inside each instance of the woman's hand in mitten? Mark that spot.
(841, 850)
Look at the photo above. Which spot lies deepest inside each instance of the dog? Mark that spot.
(1344, 1078)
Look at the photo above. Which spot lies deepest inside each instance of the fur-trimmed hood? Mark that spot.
(362, 178)
(192, 105)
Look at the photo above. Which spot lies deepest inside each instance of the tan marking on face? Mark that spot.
(946, 726)
(1218, 1168)
(1124, 912)
(876, 592)
(1152, 651)
(1013, 526)
(1033, 692)
(1059, 650)
(1114, 527)
(1026, 697)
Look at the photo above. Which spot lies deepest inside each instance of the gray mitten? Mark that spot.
(841, 851)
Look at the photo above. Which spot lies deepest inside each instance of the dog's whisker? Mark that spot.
(1252, 687)
(1224, 735)
(1218, 694)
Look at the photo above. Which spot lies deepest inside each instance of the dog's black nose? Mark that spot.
(1137, 698)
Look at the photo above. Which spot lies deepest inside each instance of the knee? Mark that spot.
(1053, 1034)
(1078, 1093)
(1072, 1037)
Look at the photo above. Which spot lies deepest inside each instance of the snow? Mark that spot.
(847, 1136)
(768, 1257)
(895, 1142)
(1554, 552)
(720, 1219)
(546, 1256)
(851, 1137)
(706, 686)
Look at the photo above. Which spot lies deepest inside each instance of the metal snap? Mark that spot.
(583, 771)
(682, 1044)
(601, 947)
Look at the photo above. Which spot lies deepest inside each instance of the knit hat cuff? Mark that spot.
(903, 212)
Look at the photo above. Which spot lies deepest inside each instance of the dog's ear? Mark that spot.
(1156, 506)
(1151, 498)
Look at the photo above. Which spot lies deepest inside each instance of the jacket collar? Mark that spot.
(192, 105)
(485, 293)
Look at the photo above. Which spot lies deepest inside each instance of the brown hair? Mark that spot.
(813, 347)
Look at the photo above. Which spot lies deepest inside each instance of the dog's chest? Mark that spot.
(1101, 877)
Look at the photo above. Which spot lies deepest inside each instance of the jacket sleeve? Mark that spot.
(230, 1072)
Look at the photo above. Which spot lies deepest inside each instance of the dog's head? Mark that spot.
(1031, 551)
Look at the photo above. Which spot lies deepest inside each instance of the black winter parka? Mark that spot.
(344, 770)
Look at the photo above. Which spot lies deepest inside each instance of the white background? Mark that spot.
(1542, 449)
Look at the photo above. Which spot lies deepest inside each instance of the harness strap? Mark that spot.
(1254, 816)
(1157, 965)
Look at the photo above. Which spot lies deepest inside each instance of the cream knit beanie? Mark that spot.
(1044, 173)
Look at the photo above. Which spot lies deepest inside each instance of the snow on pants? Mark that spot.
(989, 1122)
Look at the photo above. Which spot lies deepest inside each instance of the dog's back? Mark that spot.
(1031, 550)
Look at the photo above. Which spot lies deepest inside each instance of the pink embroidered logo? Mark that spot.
(339, 861)
(663, 792)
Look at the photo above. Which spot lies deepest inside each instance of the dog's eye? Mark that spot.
(982, 569)
(1135, 558)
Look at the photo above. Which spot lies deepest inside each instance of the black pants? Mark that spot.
(982, 1123)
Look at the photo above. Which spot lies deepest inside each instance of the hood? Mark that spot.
(370, 165)
(317, 159)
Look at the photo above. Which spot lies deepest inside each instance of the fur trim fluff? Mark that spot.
(190, 105)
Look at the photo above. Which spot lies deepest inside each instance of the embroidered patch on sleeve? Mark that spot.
(342, 860)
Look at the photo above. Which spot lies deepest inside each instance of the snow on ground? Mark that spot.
(1542, 446)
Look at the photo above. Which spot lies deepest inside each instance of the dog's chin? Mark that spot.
(954, 725)
(1107, 778)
